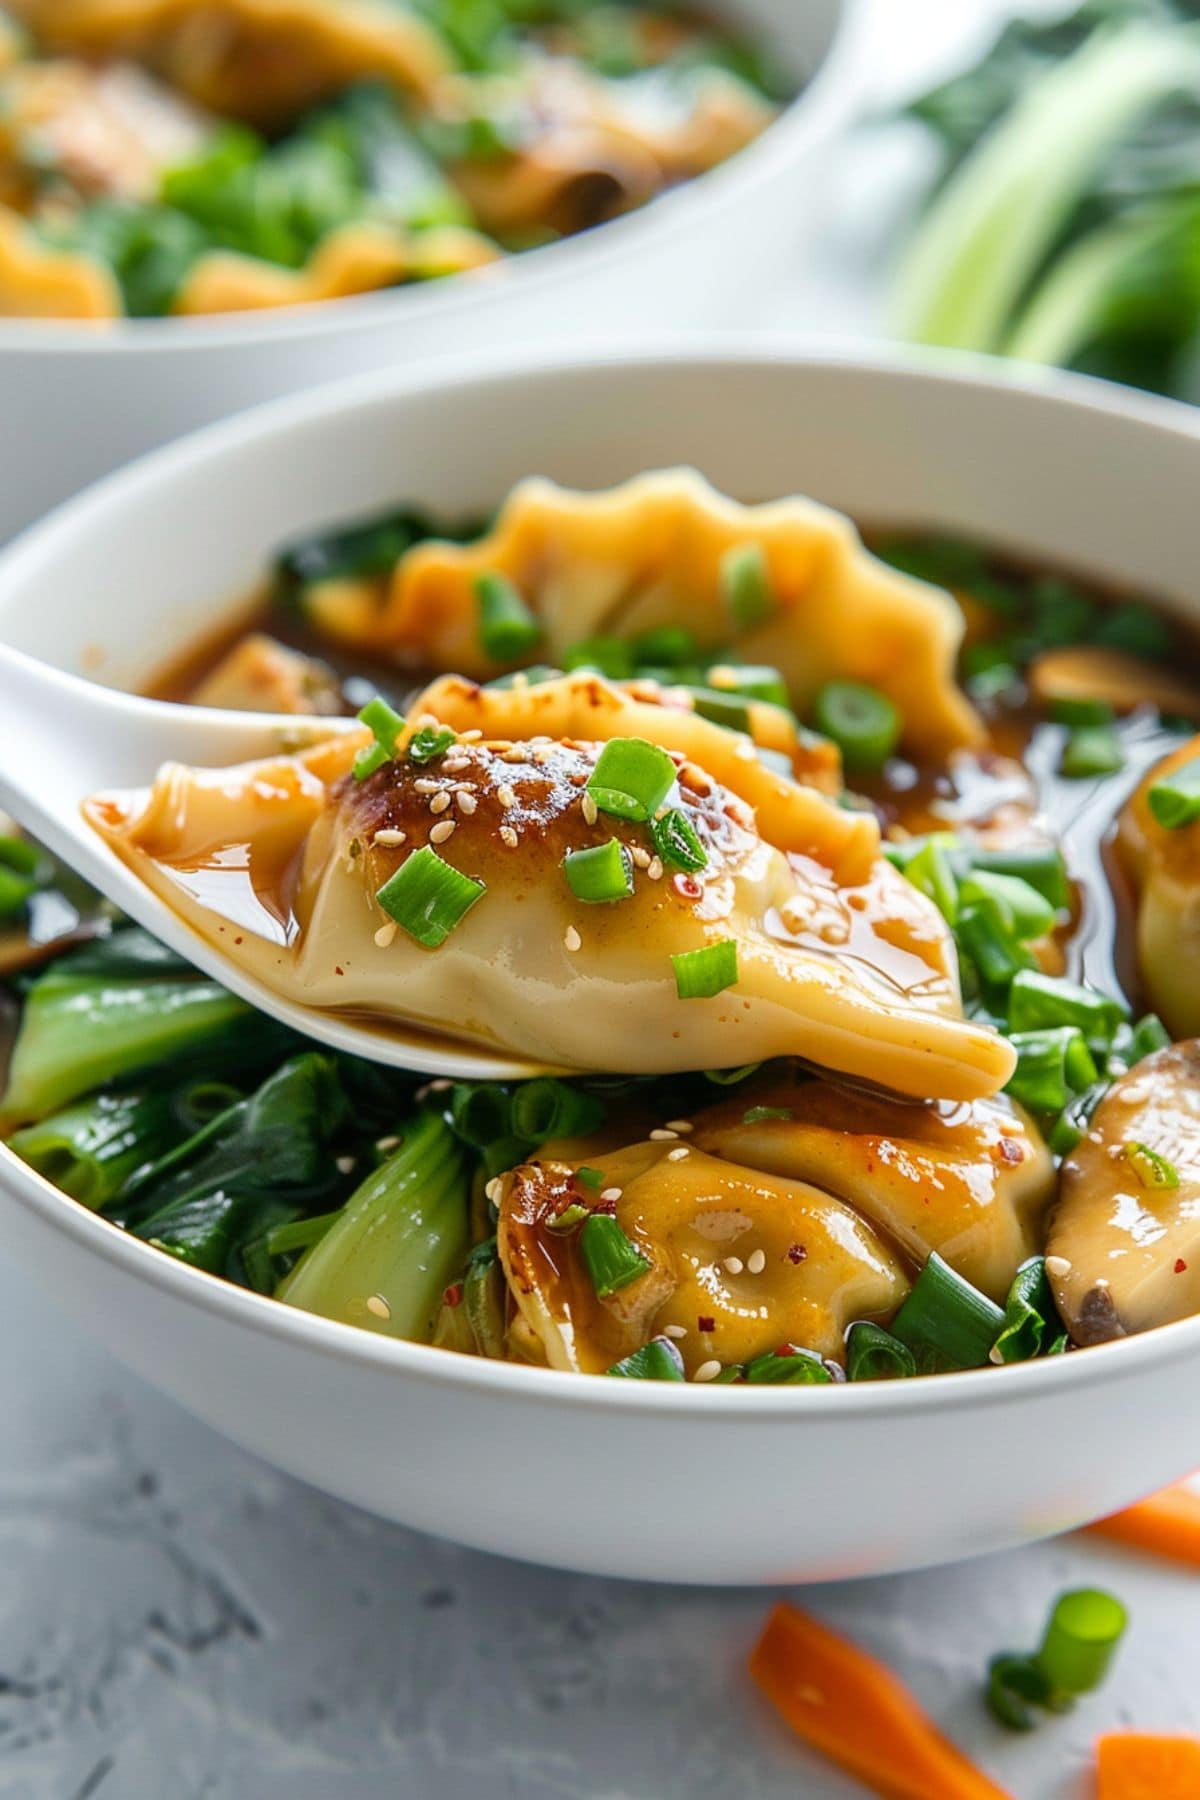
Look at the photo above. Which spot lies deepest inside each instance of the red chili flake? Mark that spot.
(453, 1294)
(337, 970)
(704, 1323)
(1180, 1265)
(786, 1350)
(1011, 1150)
(687, 887)
(238, 940)
(796, 1253)
(606, 1206)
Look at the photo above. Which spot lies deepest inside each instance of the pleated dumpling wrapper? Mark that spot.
(727, 915)
(664, 549)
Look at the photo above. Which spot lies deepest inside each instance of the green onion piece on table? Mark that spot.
(600, 875)
(1085, 1628)
(746, 586)
(508, 630)
(611, 1259)
(1015, 1685)
(702, 974)
(1175, 800)
(864, 724)
(631, 779)
(428, 898)
(658, 1360)
(873, 1354)
(946, 1322)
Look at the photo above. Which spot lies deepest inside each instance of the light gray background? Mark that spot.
(178, 1621)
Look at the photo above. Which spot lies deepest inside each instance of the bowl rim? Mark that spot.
(265, 1315)
(827, 100)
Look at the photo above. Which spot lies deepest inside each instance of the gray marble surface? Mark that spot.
(178, 1621)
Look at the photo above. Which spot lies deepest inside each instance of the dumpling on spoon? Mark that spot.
(587, 903)
(790, 582)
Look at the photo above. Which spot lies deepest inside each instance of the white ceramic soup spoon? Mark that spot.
(63, 738)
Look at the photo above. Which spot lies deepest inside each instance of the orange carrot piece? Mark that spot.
(1136, 1765)
(1168, 1524)
(856, 1712)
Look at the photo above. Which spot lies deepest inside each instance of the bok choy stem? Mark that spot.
(91, 1149)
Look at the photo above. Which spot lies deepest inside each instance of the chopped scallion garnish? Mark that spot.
(1052, 1066)
(1081, 1640)
(432, 741)
(589, 1177)
(790, 1368)
(387, 724)
(864, 724)
(676, 841)
(1031, 1322)
(610, 1257)
(508, 629)
(1175, 800)
(671, 646)
(549, 1108)
(1024, 909)
(658, 1360)
(702, 974)
(946, 1322)
(754, 681)
(758, 1115)
(631, 779)
(600, 875)
(873, 1354)
(611, 656)
(1038, 1002)
(732, 711)
(746, 586)
(1151, 1169)
(1091, 751)
(428, 898)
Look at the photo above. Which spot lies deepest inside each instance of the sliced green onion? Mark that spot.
(481, 1112)
(600, 875)
(631, 779)
(569, 1217)
(1090, 752)
(758, 1115)
(428, 898)
(732, 711)
(484, 1298)
(1175, 800)
(1137, 629)
(1041, 866)
(754, 681)
(1031, 1321)
(676, 841)
(929, 868)
(1061, 614)
(1081, 1640)
(1026, 911)
(611, 656)
(300, 1234)
(985, 932)
(1038, 1002)
(795, 1368)
(1071, 1126)
(1076, 712)
(529, 676)
(426, 745)
(947, 1323)
(864, 724)
(589, 1177)
(1015, 1685)
(387, 724)
(1149, 1035)
(669, 645)
(611, 1259)
(746, 586)
(732, 1077)
(549, 1108)
(508, 629)
(1051, 1067)
(873, 1354)
(702, 974)
(658, 1360)
(1151, 1169)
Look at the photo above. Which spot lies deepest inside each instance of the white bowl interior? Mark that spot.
(642, 1480)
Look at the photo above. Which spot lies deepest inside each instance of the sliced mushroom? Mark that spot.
(969, 1181)
(1123, 1253)
(1091, 672)
(1163, 866)
(739, 1262)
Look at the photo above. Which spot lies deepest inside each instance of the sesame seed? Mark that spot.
(346, 1165)
(611, 1194)
(589, 809)
(439, 803)
(733, 1265)
(385, 1145)
(745, 751)
(427, 719)
(680, 1125)
(379, 1306)
(506, 796)
(756, 1262)
(677, 1155)
(494, 1189)
(424, 785)
(389, 836)
(455, 764)
(661, 1132)
(1058, 1265)
(520, 679)
(655, 869)
(441, 1085)
(441, 831)
(471, 737)
(996, 1355)
(513, 755)
(674, 1331)
(508, 836)
(571, 938)
(641, 857)
(708, 1371)
(386, 935)
(465, 801)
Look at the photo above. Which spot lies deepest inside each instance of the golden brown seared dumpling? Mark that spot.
(260, 60)
(651, 553)
(969, 1181)
(1164, 866)
(739, 1263)
(292, 854)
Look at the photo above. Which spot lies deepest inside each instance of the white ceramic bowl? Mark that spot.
(690, 1484)
(80, 400)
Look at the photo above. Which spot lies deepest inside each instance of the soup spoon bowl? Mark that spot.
(66, 737)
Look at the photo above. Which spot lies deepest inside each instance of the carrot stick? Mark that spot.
(853, 1710)
(1136, 1765)
(1168, 1524)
